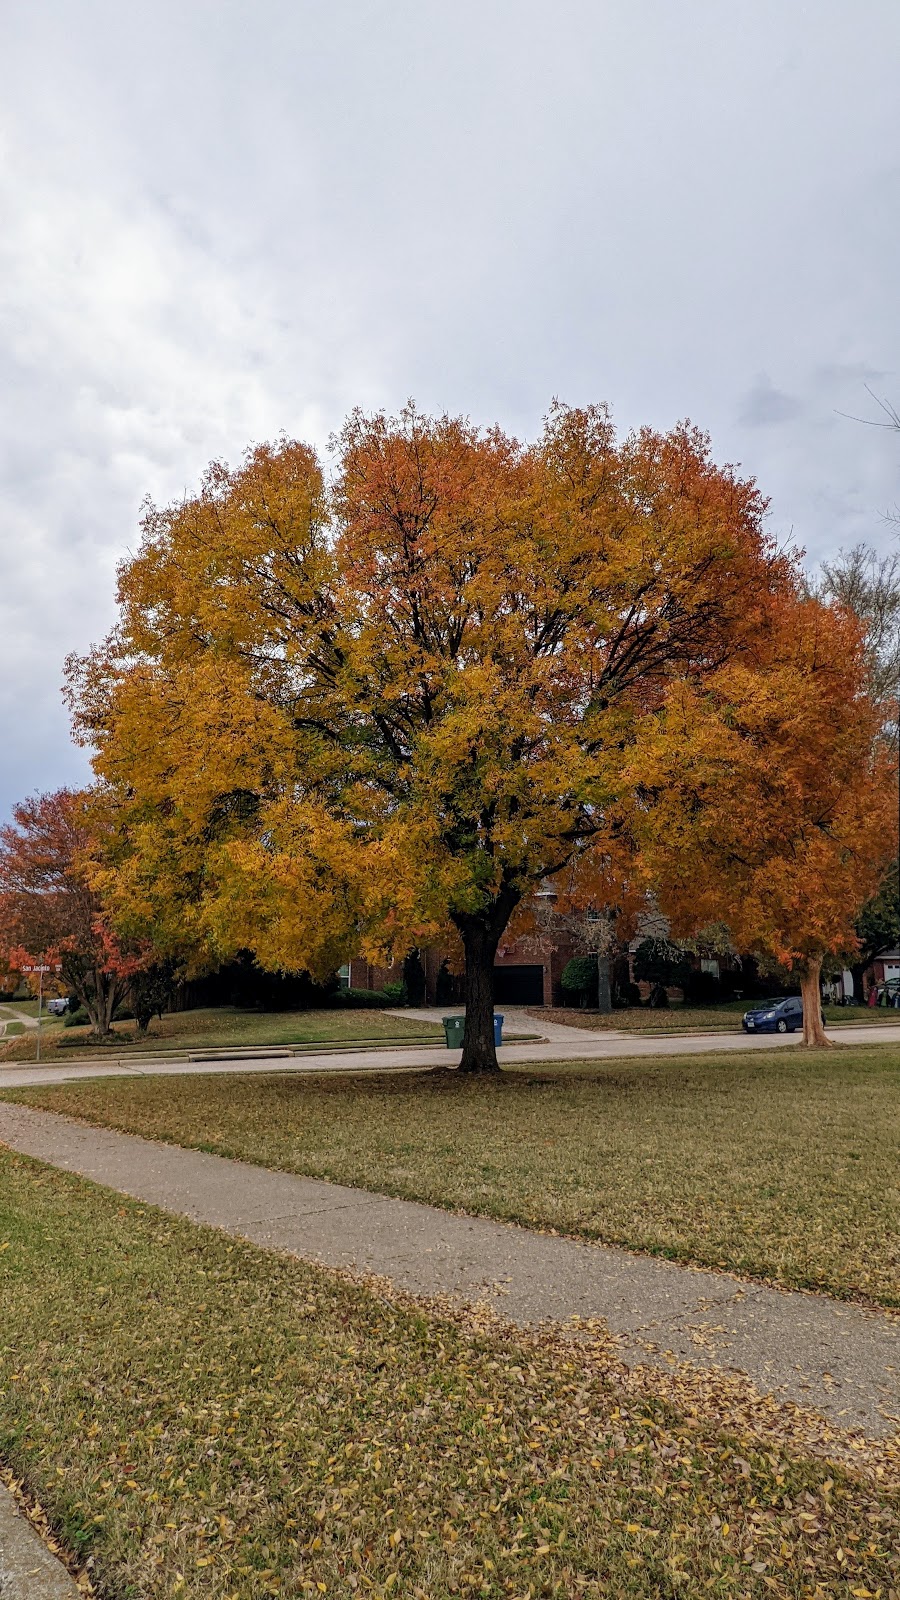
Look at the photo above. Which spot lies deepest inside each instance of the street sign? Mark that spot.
(57, 967)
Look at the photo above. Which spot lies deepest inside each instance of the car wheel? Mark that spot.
(782, 1026)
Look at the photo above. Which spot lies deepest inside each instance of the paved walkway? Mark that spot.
(840, 1359)
(559, 1042)
(28, 1570)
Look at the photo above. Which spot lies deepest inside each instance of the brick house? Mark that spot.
(522, 977)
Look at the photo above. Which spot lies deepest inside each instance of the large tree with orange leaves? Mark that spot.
(364, 715)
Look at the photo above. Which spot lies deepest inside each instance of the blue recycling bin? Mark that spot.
(498, 1028)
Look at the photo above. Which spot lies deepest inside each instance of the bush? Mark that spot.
(396, 992)
(364, 999)
(580, 975)
(702, 988)
(627, 994)
(76, 1019)
(414, 979)
(657, 961)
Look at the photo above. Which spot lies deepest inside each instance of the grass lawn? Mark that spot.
(202, 1419)
(783, 1164)
(677, 1018)
(29, 1008)
(221, 1027)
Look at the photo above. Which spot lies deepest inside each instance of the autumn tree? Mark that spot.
(775, 796)
(373, 714)
(50, 912)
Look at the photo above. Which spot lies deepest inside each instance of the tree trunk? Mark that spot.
(813, 1031)
(480, 944)
(99, 1001)
(604, 992)
(481, 935)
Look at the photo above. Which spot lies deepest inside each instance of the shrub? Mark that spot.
(657, 961)
(702, 988)
(414, 978)
(77, 1018)
(396, 992)
(580, 976)
(627, 994)
(579, 973)
(364, 999)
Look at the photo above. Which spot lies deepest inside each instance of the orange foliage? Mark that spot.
(357, 717)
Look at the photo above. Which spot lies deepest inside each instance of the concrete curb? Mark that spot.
(28, 1570)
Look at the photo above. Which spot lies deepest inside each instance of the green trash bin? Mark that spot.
(454, 1032)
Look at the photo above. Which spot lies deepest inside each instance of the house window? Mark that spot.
(344, 976)
(710, 964)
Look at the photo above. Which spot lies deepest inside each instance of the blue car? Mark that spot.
(775, 1016)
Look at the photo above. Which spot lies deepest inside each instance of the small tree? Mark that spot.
(658, 961)
(48, 909)
(414, 978)
(150, 992)
(781, 801)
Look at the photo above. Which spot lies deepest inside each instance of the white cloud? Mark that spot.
(224, 220)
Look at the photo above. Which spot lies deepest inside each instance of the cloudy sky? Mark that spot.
(225, 219)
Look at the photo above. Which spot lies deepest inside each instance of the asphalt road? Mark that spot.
(560, 1042)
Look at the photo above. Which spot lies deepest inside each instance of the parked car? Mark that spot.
(775, 1016)
(56, 1008)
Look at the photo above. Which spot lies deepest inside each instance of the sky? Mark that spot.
(223, 220)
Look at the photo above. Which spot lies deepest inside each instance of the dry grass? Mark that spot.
(723, 1018)
(202, 1419)
(783, 1165)
(221, 1027)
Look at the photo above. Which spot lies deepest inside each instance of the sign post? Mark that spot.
(40, 970)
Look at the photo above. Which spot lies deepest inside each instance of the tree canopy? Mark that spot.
(365, 714)
(49, 910)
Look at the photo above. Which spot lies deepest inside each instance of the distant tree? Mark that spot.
(414, 978)
(877, 926)
(595, 936)
(150, 991)
(783, 800)
(868, 584)
(658, 961)
(48, 909)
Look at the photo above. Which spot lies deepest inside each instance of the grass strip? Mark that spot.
(221, 1028)
(201, 1418)
(725, 1017)
(783, 1165)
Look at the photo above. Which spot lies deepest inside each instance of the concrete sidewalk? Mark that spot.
(840, 1359)
(28, 1569)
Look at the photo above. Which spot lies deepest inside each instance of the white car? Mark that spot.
(57, 1007)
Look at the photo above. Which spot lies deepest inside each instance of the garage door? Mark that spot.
(518, 986)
